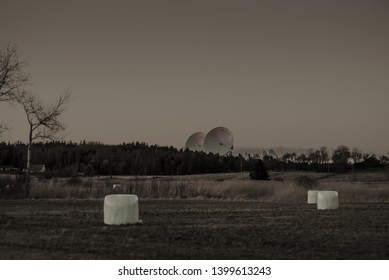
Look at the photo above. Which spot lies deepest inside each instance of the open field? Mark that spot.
(193, 229)
(214, 216)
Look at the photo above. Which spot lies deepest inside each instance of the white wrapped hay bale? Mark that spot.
(121, 209)
(327, 200)
(312, 197)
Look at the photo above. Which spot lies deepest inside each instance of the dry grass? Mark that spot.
(211, 186)
(368, 187)
(359, 192)
(170, 187)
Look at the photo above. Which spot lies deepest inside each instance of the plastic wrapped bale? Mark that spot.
(312, 197)
(327, 200)
(121, 209)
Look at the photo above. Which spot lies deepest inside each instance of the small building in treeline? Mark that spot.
(37, 168)
(9, 169)
(370, 162)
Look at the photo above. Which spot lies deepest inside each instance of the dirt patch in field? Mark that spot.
(193, 229)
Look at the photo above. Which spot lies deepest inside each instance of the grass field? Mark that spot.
(193, 229)
(215, 216)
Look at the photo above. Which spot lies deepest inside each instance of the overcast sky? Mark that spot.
(276, 73)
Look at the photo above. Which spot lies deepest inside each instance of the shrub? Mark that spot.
(260, 172)
(306, 182)
(11, 186)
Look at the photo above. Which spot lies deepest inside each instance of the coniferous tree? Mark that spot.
(259, 172)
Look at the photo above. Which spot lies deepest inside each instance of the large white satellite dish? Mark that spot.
(350, 161)
(195, 142)
(219, 140)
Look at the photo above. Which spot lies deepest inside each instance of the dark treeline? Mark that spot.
(70, 159)
(67, 159)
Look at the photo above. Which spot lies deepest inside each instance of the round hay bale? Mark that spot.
(312, 197)
(121, 209)
(327, 200)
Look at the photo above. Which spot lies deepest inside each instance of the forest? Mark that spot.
(68, 159)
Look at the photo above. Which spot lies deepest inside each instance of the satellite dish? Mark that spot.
(195, 142)
(350, 161)
(219, 140)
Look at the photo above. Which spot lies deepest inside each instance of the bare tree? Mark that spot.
(44, 123)
(324, 155)
(12, 76)
(356, 155)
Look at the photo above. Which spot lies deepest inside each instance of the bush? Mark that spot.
(306, 182)
(11, 186)
(260, 172)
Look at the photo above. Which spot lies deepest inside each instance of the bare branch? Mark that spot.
(12, 75)
(45, 122)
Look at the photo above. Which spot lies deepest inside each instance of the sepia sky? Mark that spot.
(276, 73)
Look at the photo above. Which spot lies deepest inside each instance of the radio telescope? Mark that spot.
(195, 142)
(219, 140)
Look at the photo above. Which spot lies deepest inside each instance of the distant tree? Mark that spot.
(259, 171)
(314, 157)
(286, 157)
(324, 155)
(384, 158)
(340, 157)
(273, 154)
(341, 154)
(256, 156)
(44, 123)
(302, 158)
(105, 167)
(356, 155)
(271, 162)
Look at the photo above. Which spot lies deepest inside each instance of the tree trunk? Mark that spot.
(28, 170)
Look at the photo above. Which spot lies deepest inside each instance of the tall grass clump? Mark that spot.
(306, 182)
(266, 191)
(11, 186)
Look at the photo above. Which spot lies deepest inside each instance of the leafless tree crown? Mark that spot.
(12, 75)
(44, 121)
